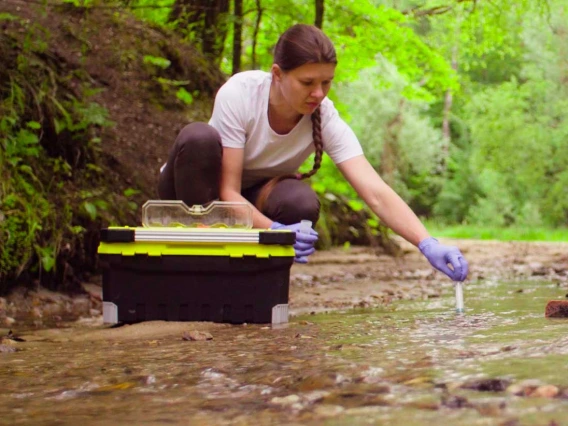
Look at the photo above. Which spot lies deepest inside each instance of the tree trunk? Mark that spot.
(255, 35)
(319, 13)
(206, 19)
(449, 99)
(237, 36)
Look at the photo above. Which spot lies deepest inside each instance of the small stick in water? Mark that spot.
(459, 298)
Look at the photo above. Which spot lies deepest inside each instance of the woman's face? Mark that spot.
(304, 88)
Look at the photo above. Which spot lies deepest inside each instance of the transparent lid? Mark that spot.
(176, 214)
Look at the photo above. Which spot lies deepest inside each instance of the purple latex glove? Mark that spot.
(304, 245)
(440, 256)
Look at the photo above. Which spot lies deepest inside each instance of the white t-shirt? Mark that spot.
(240, 115)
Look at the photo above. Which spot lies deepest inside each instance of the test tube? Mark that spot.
(305, 228)
(459, 298)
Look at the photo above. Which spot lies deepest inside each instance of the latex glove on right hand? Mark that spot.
(440, 256)
(304, 245)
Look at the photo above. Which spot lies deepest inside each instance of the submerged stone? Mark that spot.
(556, 309)
(487, 385)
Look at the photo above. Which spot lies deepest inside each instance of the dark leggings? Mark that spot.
(193, 173)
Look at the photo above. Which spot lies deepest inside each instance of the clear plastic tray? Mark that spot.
(176, 214)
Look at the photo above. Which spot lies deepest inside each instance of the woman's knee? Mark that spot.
(292, 201)
(199, 138)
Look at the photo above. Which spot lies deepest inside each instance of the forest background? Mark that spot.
(461, 105)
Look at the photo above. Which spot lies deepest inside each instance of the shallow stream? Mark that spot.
(411, 363)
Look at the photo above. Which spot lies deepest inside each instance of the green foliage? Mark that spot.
(49, 139)
(184, 96)
(157, 61)
(168, 86)
(155, 11)
(397, 137)
(487, 232)
(518, 132)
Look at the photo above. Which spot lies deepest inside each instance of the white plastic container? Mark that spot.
(459, 298)
(176, 214)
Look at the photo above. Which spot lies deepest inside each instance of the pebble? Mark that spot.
(546, 391)
(195, 335)
(285, 400)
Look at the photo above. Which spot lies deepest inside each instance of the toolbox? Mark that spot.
(195, 264)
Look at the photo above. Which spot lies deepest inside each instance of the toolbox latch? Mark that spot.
(118, 235)
(277, 237)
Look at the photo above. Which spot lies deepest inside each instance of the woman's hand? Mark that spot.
(440, 256)
(304, 245)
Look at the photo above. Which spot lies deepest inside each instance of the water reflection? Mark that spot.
(413, 363)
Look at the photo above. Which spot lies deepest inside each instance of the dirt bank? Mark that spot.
(338, 279)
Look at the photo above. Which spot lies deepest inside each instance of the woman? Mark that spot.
(263, 127)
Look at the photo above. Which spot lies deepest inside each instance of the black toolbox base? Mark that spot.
(195, 288)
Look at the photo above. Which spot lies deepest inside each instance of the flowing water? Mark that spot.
(412, 363)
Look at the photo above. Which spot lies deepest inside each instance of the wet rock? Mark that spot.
(372, 375)
(315, 396)
(556, 309)
(195, 335)
(303, 336)
(487, 385)
(546, 391)
(302, 279)
(508, 348)
(492, 409)
(524, 388)
(7, 348)
(355, 398)
(315, 382)
(148, 380)
(81, 305)
(36, 312)
(455, 401)
(11, 338)
(429, 402)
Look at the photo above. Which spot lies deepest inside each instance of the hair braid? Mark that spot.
(318, 144)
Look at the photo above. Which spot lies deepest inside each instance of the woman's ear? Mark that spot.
(276, 72)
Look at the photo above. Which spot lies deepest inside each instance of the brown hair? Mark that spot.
(299, 45)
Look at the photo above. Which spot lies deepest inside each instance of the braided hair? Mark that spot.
(299, 45)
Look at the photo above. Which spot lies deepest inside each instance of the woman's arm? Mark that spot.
(230, 186)
(396, 214)
(382, 199)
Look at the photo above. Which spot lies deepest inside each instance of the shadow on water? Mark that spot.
(413, 363)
